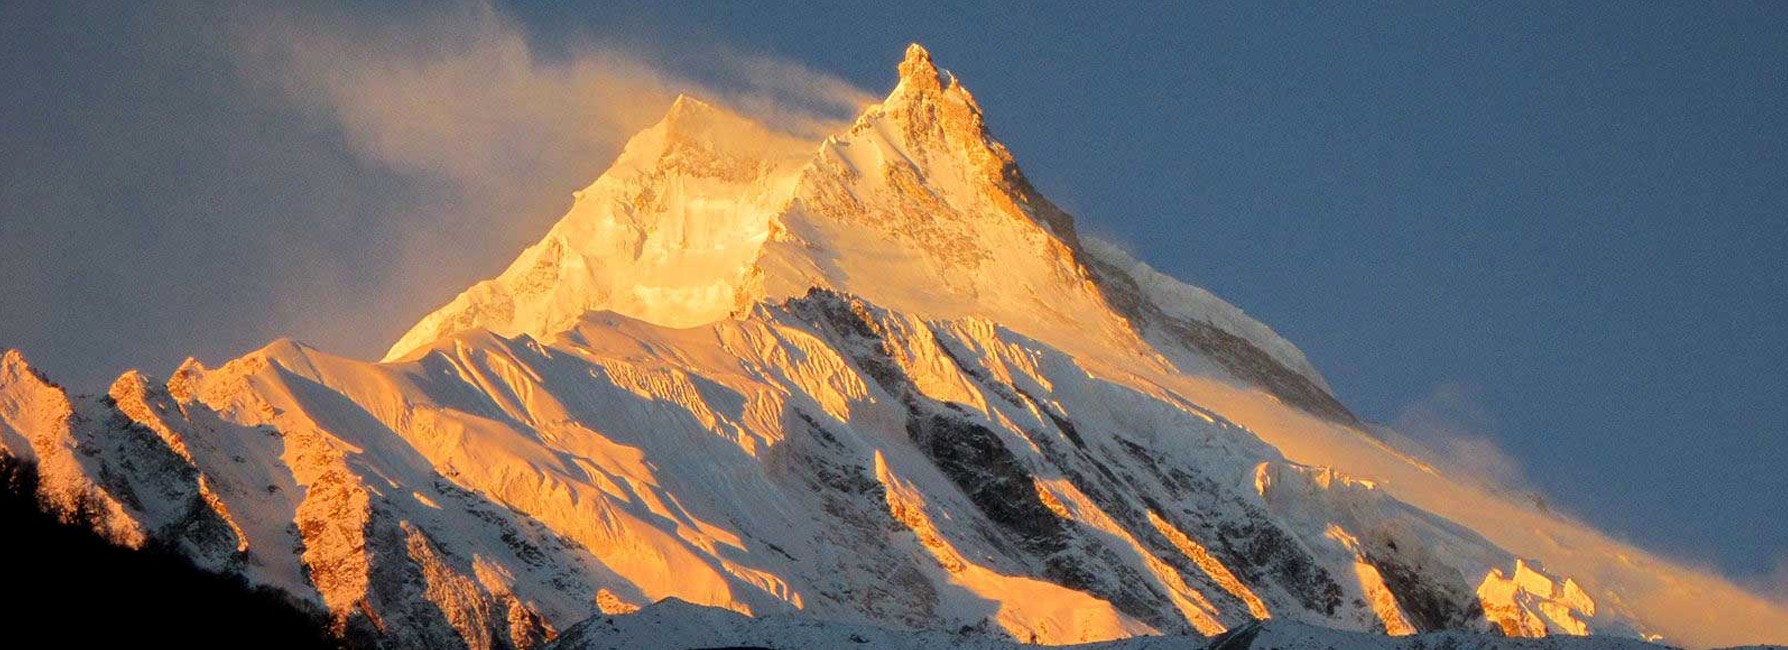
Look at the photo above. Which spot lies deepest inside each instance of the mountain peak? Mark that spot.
(689, 117)
(706, 140)
(917, 52)
(929, 103)
(918, 70)
(686, 108)
(666, 235)
(921, 78)
(14, 365)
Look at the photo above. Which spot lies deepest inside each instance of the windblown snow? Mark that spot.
(877, 381)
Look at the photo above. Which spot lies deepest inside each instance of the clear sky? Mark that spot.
(1553, 237)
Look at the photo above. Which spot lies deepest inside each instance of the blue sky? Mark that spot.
(1563, 230)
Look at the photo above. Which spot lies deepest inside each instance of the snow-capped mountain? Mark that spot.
(877, 380)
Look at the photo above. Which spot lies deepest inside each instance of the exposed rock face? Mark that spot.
(876, 379)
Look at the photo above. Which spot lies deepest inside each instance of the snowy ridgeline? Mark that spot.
(678, 624)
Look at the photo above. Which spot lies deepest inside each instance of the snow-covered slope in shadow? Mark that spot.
(678, 624)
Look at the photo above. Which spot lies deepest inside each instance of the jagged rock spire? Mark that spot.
(917, 72)
(921, 80)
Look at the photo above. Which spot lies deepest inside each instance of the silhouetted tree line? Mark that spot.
(62, 582)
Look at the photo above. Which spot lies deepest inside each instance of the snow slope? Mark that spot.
(678, 624)
(667, 234)
(874, 380)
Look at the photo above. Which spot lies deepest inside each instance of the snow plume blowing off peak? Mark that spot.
(476, 131)
(708, 211)
(866, 375)
(667, 235)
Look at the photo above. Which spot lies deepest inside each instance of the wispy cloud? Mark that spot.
(462, 92)
(1774, 585)
(489, 132)
(1456, 429)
